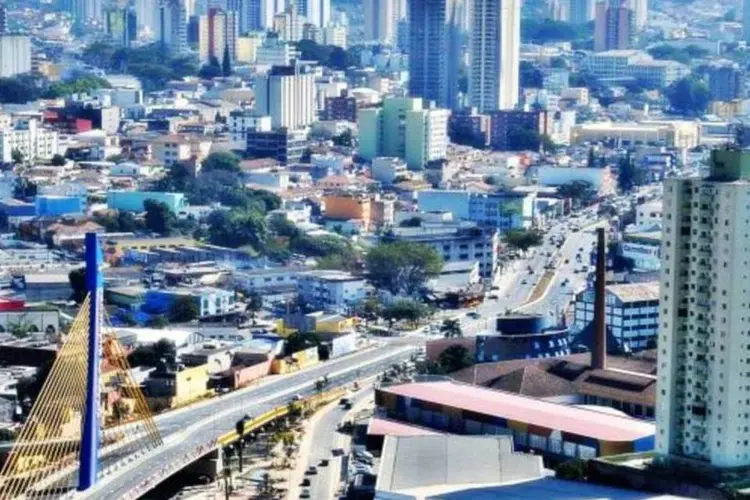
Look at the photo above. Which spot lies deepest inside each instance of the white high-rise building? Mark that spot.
(147, 17)
(172, 27)
(380, 20)
(288, 25)
(317, 12)
(31, 139)
(335, 35)
(426, 137)
(495, 46)
(287, 95)
(581, 11)
(703, 387)
(217, 31)
(15, 55)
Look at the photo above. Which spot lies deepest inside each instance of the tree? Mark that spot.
(159, 321)
(345, 139)
(688, 96)
(226, 62)
(152, 354)
(627, 174)
(402, 267)
(529, 75)
(572, 470)
(523, 239)
(522, 139)
(77, 279)
(415, 221)
(581, 192)
(58, 160)
(16, 156)
(237, 228)
(253, 305)
(221, 160)
(451, 328)
(159, 218)
(405, 309)
(184, 309)
(454, 358)
(210, 70)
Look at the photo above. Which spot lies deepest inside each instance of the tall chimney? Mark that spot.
(599, 351)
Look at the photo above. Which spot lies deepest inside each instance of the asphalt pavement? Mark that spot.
(185, 429)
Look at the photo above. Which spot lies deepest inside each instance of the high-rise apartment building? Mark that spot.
(435, 50)
(404, 128)
(3, 18)
(726, 81)
(380, 20)
(288, 25)
(614, 28)
(217, 32)
(703, 387)
(287, 95)
(317, 12)
(121, 25)
(495, 47)
(260, 14)
(86, 10)
(581, 11)
(640, 12)
(15, 55)
(172, 28)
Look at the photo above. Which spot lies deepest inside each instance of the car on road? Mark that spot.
(311, 471)
(473, 315)
(305, 482)
(524, 282)
(305, 494)
(324, 462)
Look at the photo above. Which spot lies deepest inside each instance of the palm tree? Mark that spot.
(451, 328)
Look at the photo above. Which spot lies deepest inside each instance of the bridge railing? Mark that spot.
(225, 439)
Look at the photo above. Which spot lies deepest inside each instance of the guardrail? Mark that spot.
(255, 423)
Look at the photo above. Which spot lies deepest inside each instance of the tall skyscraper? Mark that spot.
(746, 20)
(379, 20)
(121, 24)
(614, 27)
(147, 15)
(287, 95)
(581, 11)
(288, 25)
(495, 46)
(435, 50)
(703, 386)
(172, 25)
(217, 31)
(317, 12)
(726, 80)
(640, 11)
(15, 55)
(3, 18)
(86, 10)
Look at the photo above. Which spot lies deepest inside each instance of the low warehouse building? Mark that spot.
(544, 427)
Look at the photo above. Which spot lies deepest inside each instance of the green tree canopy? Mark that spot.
(58, 160)
(581, 192)
(152, 354)
(184, 309)
(406, 309)
(237, 228)
(402, 267)
(523, 239)
(228, 162)
(529, 75)
(688, 96)
(210, 70)
(454, 358)
(77, 279)
(451, 328)
(159, 218)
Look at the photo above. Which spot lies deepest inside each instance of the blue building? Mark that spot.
(16, 208)
(133, 201)
(59, 205)
(503, 210)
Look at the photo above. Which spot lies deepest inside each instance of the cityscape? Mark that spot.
(374, 249)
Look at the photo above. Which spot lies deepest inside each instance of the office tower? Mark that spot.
(614, 28)
(726, 81)
(379, 20)
(557, 10)
(434, 50)
(317, 12)
(746, 21)
(495, 46)
(3, 18)
(121, 25)
(426, 137)
(287, 95)
(15, 55)
(581, 11)
(311, 32)
(217, 31)
(402, 36)
(172, 25)
(262, 12)
(703, 386)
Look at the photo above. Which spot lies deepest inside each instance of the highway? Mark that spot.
(186, 429)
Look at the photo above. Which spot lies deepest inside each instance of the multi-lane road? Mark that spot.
(186, 429)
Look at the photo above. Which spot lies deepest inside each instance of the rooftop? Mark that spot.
(635, 292)
(533, 411)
